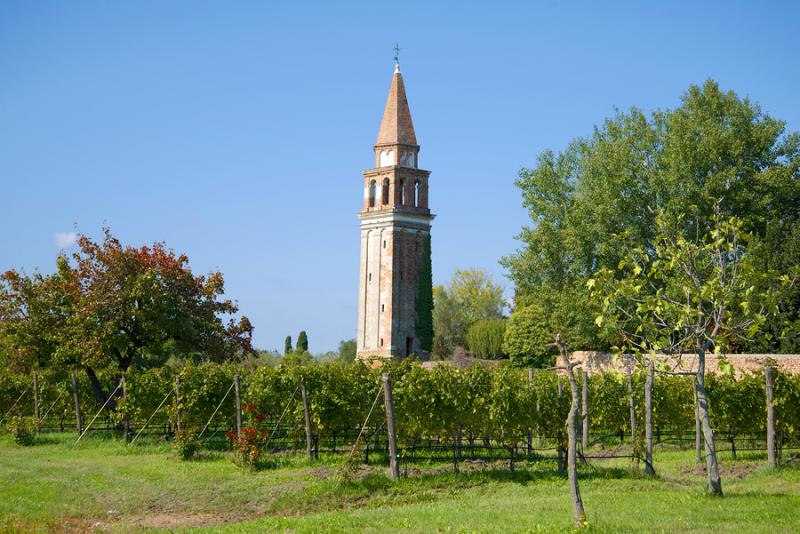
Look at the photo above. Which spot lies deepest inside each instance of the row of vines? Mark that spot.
(504, 403)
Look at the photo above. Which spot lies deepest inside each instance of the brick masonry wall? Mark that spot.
(597, 362)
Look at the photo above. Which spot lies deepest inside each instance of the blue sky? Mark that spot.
(236, 132)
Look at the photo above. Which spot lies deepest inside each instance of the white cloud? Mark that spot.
(65, 239)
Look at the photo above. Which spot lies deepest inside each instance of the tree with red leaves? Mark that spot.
(131, 307)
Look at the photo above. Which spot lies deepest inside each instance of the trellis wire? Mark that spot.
(215, 411)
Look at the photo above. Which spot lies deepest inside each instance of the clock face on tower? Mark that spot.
(387, 158)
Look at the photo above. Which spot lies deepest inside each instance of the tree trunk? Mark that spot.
(579, 514)
(78, 414)
(632, 403)
(307, 416)
(99, 395)
(712, 468)
(390, 428)
(585, 411)
(648, 418)
(770, 383)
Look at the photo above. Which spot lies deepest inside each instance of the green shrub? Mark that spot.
(186, 444)
(23, 430)
(485, 338)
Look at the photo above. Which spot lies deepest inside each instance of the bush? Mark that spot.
(528, 339)
(187, 444)
(249, 446)
(485, 338)
(23, 430)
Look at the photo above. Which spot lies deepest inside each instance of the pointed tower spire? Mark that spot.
(396, 126)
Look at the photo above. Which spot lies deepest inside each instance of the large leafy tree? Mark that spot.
(690, 295)
(347, 350)
(713, 146)
(116, 307)
(470, 296)
(33, 315)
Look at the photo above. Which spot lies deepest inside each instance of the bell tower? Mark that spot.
(395, 221)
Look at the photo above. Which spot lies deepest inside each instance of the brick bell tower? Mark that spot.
(395, 221)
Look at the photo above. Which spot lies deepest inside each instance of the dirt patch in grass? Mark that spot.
(736, 471)
(361, 471)
(77, 525)
(181, 519)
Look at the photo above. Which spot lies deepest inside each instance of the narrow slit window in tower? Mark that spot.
(416, 194)
(385, 192)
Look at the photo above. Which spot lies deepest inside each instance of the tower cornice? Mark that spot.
(393, 168)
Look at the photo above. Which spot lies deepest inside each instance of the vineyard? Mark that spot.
(440, 414)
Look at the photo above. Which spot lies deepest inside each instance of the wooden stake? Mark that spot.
(648, 418)
(237, 391)
(390, 428)
(770, 382)
(36, 412)
(632, 403)
(177, 403)
(530, 431)
(307, 414)
(560, 436)
(126, 423)
(585, 411)
(698, 429)
(78, 414)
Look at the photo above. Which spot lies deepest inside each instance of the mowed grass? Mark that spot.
(104, 485)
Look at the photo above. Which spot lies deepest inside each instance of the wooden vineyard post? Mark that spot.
(770, 385)
(585, 411)
(632, 403)
(390, 428)
(698, 430)
(530, 431)
(237, 385)
(78, 414)
(560, 436)
(648, 418)
(307, 415)
(36, 410)
(126, 422)
(177, 403)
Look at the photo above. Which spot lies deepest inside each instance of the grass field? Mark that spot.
(104, 486)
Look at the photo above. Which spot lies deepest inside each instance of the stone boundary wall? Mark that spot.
(598, 362)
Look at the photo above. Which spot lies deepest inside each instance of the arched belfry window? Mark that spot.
(402, 192)
(385, 192)
(416, 194)
(372, 188)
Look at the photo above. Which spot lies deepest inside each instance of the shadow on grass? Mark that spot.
(374, 482)
(47, 439)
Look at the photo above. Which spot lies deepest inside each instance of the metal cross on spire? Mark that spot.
(397, 53)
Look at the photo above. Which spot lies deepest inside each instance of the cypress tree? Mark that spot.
(302, 341)
(287, 345)
(423, 323)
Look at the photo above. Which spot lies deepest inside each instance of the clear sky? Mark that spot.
(236, 132)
